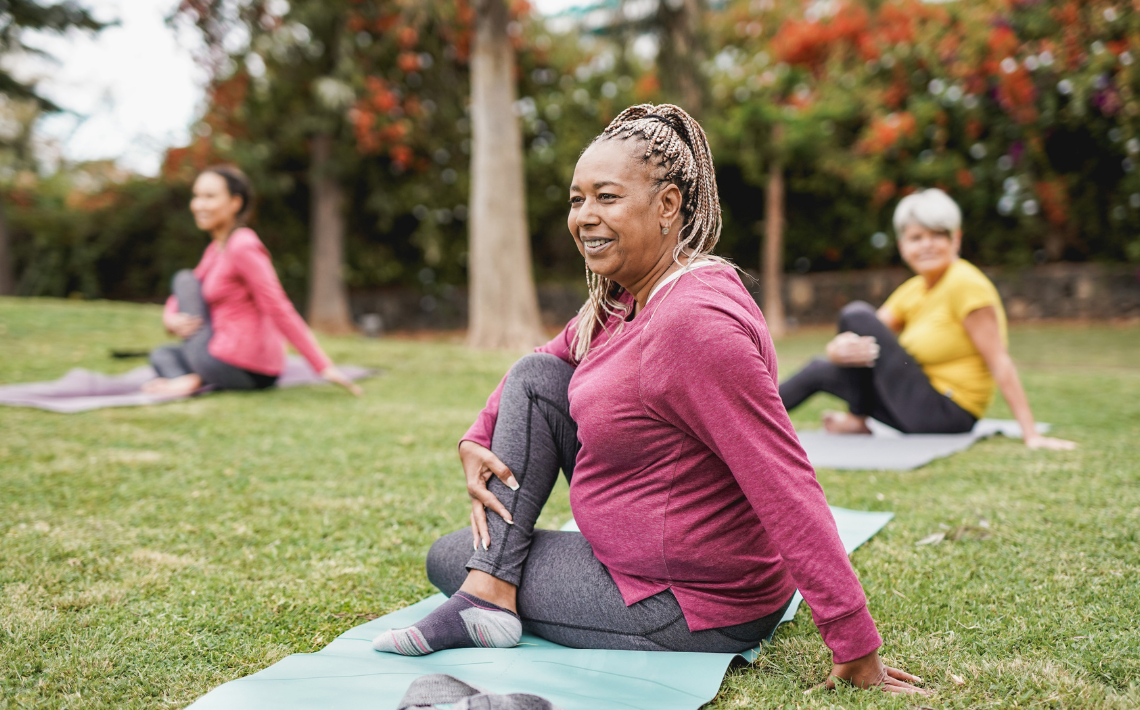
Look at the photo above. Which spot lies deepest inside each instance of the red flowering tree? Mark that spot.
(1024, 111)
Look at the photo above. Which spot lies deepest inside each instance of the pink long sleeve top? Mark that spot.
(249, 310)
(691, 477)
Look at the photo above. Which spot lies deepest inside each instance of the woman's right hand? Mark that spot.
(851, 350)
(1036, 441)
(870, 672)
(333, 374)
(479, 464)
(182, 324)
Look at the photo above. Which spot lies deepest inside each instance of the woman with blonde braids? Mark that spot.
(699, 512)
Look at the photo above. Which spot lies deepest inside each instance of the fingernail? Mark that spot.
(512, 483)
(475, 546)
(509, 521)
(484, 544)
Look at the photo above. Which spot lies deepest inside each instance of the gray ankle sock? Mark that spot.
(464, 621)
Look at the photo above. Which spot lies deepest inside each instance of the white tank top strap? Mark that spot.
(677, 274)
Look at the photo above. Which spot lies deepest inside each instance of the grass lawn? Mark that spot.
(150, 554)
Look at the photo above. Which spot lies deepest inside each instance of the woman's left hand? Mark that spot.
(870, 672)
(1036, 441)
(333, 374)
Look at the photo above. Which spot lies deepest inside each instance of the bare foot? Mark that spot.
(155, 386)
(175, 387)
(844, 423)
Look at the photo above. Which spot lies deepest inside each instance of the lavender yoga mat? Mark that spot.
(82, 390)
(890, 450)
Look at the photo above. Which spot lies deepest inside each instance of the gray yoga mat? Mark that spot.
(348, 673)
(82, 390)
(890, 450)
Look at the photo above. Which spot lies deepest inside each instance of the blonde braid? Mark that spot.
(677, 149)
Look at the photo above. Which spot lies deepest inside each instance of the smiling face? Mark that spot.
(213, 206)
(928, 252)
(616, 215)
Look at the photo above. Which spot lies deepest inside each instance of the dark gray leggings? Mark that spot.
(192, 356)
(564, 593)
(895, 391)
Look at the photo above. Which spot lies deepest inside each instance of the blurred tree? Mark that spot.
(16, 18)
(309, 42)
(504, 304)
(772, 260)
(679, 27)
(1025, 112)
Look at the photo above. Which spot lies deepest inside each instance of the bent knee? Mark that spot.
(183, 276)
(538, 368)
(854, 314)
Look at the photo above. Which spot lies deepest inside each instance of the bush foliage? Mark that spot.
(1026, 112)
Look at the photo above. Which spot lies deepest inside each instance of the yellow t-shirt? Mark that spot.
(934, 336)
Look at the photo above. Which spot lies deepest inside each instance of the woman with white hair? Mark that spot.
(927, 361)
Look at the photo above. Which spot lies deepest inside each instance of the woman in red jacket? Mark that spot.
(231, 311)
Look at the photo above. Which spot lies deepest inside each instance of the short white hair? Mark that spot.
(932, 209)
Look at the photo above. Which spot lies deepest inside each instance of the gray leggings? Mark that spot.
(192, 356)
(565, 594)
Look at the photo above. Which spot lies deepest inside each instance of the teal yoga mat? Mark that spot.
(348, 673)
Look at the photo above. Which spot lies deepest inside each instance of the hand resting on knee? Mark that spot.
(851, 350)
(479, 464)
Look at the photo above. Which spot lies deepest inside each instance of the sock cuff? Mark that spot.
(483, 603)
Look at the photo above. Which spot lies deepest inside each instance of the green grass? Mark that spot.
(150, 554)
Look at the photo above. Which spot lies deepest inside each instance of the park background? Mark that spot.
(151, 554)
(821, 116)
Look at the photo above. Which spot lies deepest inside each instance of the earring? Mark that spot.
(664, 230)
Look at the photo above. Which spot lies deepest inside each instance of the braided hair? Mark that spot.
(674, 147)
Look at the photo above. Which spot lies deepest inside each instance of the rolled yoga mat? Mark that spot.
(82, 390)
(348, 673)
(887, 449)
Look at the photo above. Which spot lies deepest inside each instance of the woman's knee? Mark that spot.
(183, 278)
(540, 367)
(542, 374)
(854, 317)
(447, 561)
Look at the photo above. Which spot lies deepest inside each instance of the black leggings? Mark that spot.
(894, 391)
(564, 593)
(192, 356)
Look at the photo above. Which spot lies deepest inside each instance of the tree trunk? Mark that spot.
(328, 297)
(773, 256)
(503, 301)
(7, 260)
(680, 54)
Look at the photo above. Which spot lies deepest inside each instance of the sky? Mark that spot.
(132, 90)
